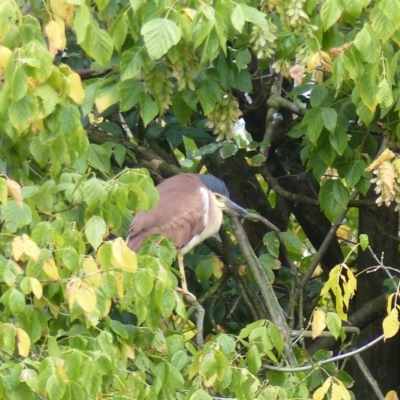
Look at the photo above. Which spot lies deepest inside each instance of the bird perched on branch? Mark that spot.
(189, 211)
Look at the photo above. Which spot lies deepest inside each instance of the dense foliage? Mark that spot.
(100, 99)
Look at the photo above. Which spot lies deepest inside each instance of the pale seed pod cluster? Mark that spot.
(263, 41)
(387, 183)
(186, 69)
(159, 84)
(292, 13)
(224, 117)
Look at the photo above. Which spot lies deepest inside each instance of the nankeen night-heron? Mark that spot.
(189, 211)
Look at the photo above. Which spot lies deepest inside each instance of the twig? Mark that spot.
(368, 376)
(319, 363)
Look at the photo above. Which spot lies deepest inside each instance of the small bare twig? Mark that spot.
(319, 363)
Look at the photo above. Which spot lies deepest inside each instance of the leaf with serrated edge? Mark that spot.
(123, 257)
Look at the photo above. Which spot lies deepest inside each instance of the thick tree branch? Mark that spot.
(266, 289)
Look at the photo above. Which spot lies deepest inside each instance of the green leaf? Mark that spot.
(293, 243)
(209, 93)
(384, 94)
(334, 324)
(135, 4)
(159, 36)
(271, 241)
(314, 129)
(353, 7)
(148, 108)
(208, 365)
(329, 119)
(200, 394)
(95, 231)
(16, 301)
(339, 140)
(55, 386)
(119, 154)
(182, 110)
(98, 158)
(368, 44)
(237, 18)
(94, 192)
(119, 329)
(3, 190)
(243, 81)
(16, 216)
(384, 26)
(331, 11)
(129, 91)
(243, 57)
(253, 359)
(144, 281)
(81, 22)
(364, 241)
(101, 46)
(204, 269)
(132, 63)
(318, 95)
(333, 197)
(19, 84)
(367, 86)
(22, 113)
(354, 173)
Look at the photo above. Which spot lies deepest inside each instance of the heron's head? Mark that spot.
(229, 206)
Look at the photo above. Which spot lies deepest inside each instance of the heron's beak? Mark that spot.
(234, 208)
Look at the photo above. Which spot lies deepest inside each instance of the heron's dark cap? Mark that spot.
(214, 184)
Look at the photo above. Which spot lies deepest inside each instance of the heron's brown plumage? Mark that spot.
(178, 215)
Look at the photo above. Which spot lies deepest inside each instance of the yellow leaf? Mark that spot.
(127, 352)
(392, 395)
(91, 268)
(107, 308)
(76, 91)
(119, 279)
(51, 270)
(190, 12)
(390, 302)
(87, 298)
(385, 156)
(123, 257)
(339, 392)
(23, 342)
(320, 393)
(37, 288)
(14, 189)
(63, 10)
(217, 267)
(25, 245)
(319, 59)
(318, 323)
(391, 324)
(55, 37)
(5, 54)
(73, 291)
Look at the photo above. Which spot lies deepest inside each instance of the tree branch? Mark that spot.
(267, 291)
